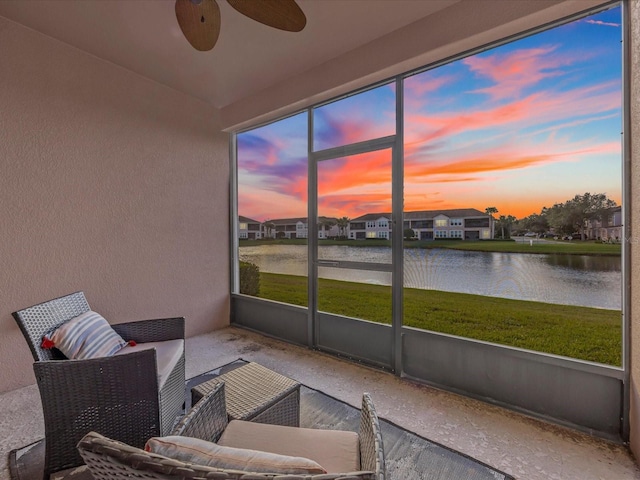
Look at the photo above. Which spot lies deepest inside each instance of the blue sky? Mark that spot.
(519, 127)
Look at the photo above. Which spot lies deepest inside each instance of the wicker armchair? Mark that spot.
(110, 460)
(117, 396)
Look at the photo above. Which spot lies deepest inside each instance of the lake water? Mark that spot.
(564, 279)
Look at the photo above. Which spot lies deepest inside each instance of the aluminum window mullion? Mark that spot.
(234, 277)
(626, 217)
(397, 244)
(354, 148)
(312, 237)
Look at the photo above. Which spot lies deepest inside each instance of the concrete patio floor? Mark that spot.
(516, 444)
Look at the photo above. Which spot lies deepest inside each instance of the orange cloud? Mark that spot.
(260, 206)
(353, 205)
(356, 171)
(507, 158)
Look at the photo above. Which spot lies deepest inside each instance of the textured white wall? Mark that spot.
(111, 184)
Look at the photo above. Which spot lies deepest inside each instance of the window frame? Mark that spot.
(622, 372)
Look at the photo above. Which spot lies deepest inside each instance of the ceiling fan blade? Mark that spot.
(281, 14)
(199, 21)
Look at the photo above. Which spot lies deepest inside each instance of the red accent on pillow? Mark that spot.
(147, 448)
(47, 344)
(132, 343)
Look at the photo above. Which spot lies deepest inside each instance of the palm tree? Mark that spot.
(326, 224)
(505, 221)
(501, 220)
(268, 226)
(491, 211)
(343, 223)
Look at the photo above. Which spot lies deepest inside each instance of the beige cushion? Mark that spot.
(337, 451)
(200, 452)
(168, 353)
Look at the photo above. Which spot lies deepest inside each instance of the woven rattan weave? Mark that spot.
(255, 393)
(117, 396)
(111, 460)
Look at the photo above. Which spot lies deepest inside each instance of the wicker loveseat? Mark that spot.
(120, 396)
(110, 460)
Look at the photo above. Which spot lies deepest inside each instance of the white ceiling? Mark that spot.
(143, 36)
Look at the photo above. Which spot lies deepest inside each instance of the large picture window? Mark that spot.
(521, 144)
(512, 179)
(272, 206)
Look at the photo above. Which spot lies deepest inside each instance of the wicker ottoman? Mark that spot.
(257, 394)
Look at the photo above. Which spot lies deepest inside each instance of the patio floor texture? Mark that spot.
(516, 444)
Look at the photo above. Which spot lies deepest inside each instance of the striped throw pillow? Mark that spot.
(86, 336)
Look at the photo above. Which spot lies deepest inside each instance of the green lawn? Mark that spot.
(579, 332)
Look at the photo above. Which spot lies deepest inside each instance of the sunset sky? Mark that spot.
(518, 127)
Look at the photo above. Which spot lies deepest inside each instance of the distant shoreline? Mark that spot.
(533, 246)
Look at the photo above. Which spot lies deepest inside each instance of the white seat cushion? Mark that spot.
(168, 353)
(337, 451)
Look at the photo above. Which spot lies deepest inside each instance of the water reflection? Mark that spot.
(563, 279)
(585, 262)
(355, 254)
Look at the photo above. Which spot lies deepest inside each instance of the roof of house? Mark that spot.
(451, 213)
(425, 214)
(289, 221)
(371, 216)
(247, 219)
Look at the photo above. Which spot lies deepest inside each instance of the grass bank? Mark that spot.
(575, 247)
(579, 332)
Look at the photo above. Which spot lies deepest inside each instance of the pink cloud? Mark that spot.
(418, 202)
(352, 126)
(515, 71)
(427, 128)
(557, 127)
(535, 109)
(418, 86)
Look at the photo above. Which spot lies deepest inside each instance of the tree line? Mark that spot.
(567, 218)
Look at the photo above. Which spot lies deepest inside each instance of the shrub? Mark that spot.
(409, 234)
(249, 279)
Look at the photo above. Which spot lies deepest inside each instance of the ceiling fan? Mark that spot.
(199, 20)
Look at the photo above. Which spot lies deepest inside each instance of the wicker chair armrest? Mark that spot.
(154, 330)
(207, 419)
(371, 447)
